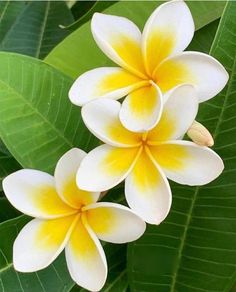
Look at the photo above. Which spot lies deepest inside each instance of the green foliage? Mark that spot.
(35, 31)
(79, 53)
(196, 246)
(83, 11)
(37, 121)
(7, 164)
(194, 250)
(9, 10)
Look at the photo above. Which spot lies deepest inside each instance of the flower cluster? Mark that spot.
(143, 145)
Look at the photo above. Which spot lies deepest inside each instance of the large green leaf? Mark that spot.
(6, 210)
(9, 11)
(194, 250)
(83, 11)
(204, 37)
(79, 53)
(36, 30)
(7, 163)
(37, 121)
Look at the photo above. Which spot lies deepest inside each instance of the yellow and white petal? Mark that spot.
(101, 117)
(188, 163)
(85, 258)
(114, 223)
(169, 30)
(106, 82)
(120, 39)
(33, 192)
(142, 109)
(105, 167)
(65, 178)
(40, 242)
(147, 190)
(201, 70)
(178, 114)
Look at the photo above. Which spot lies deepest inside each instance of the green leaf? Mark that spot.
(195, 248)
(35, 31)
(204, 37)
(54, 278)
(79, 53)
(37, 121)
(7, 163)
(83, 11)
(9, 10)
(6, 210)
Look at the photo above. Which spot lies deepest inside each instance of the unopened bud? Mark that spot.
(200, 135)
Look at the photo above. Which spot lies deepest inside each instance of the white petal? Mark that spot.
(120, 40)
(147, 190)
(106, 82)
(178, 114)
(40, 242)
(65, 177)
(101, 117)
(114, 223)
(85, 258)
(104, 167)
(142, 109)
(187, 163)
(33, 193)
(201, 70)
(168, 30)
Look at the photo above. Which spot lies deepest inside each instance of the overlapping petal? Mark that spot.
(102, 118)
(120, 39)
(147, 190)
(142, 109)
(106, 82)
(114, 223)
(187, 163)
(168, 30)
(40, 242)
(33, 192)
(178, 114)
(107, 166)
(203, 71)
(85, 258)
(65, 178)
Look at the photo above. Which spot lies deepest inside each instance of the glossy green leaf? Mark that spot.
(35, 31)
(7, 163)
(6, 210)
(204, 37)
(79, 53)
(194, 250)
(83, 11)
(37, 121)
(9, 11)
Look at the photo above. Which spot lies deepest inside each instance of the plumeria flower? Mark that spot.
(151, 64)
(67, 217)
(146, 160)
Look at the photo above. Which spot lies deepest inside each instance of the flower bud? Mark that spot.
(200, 135)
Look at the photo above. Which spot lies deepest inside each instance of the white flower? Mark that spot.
(151, 64)
(67, 217)
(145, 160)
